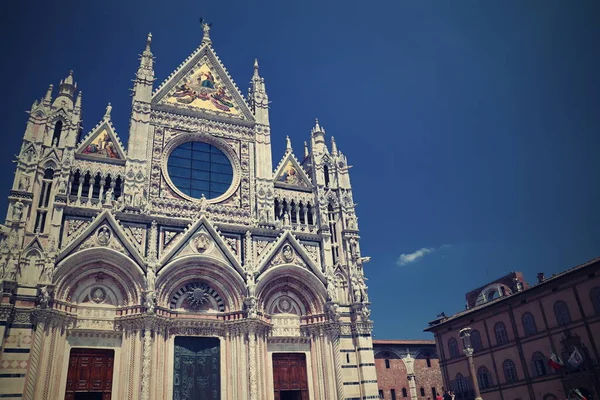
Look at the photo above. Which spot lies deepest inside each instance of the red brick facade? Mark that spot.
(392, 376)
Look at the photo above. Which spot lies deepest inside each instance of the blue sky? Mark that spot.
(472, 126)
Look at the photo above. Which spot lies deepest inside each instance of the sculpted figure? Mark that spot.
(17, 211)
(250, 284)
(44, 297)
(47, 273)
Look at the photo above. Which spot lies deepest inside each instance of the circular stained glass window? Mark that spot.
(198, 168)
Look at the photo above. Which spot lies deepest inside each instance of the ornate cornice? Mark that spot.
(53, 318)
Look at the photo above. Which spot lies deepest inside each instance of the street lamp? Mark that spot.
(465, 335)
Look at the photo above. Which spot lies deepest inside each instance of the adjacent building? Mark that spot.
(516, 328)
(185, 262)
(407, 369)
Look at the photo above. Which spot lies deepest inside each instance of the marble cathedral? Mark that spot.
(185, 265)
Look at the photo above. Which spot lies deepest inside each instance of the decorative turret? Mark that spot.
(334, 150)
(258, 98)
(258, 101)
(139, 125)
(306, 153)
(318, 138)
(66, 93)
(144, 78)
(77, 122)
(48, 98)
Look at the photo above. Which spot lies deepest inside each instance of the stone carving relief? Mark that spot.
(103, 235)
(287, 253)
(285, 326)
(202, 243)
(98, 295)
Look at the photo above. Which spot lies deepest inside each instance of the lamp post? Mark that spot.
(465, 335)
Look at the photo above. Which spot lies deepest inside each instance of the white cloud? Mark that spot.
(410, 258)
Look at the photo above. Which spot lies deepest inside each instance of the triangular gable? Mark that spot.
(201, 84)
(51, 156)
(201, 238)
(35, 244)
(95, 236)
(102, 143)
(276, 255)
(290, 174)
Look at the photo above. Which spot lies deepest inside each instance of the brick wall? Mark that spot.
(395, 377)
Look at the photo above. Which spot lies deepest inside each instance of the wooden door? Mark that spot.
(197, 369)
(289, 376)
(90, 374)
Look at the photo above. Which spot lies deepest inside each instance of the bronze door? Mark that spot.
(289, 376)
(90, 374)
(197, 369)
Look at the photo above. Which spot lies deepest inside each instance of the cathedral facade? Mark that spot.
(185, 265)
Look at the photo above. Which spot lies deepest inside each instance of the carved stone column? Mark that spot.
(409, 362)
(334, 335)
(146, 363)
(252, 364)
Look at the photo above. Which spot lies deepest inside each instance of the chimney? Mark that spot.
(540, 277)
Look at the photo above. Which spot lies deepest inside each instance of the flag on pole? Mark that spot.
(555, 362)
(576, 358)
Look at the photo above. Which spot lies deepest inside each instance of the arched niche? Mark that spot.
(294, 283)
(121, 278)
(31, 266)
(186, 272)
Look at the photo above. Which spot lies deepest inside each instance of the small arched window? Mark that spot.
(461, 383)
(453, 348)
(529, 326)
(492, 294)
(510, 371)
(428, 360)
(561, 311)
(484, 377)
(57, 131)
(387, 363)
(422, 391)
(476, 340)
(595, 296)
(500, 332)
(539, 364)
(404, 394)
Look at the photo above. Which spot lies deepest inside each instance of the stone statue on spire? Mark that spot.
(206, 29)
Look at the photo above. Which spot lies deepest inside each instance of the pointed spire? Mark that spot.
(148, 41)
(144, 77)
(256, 75)
(48, 97)
(318, 137)
(258, 98)
(334, 150)
(288, 144)
(69, 79)
(305, 149)
(317, 127)
(108, 110)
(78, 100)
(34, 105)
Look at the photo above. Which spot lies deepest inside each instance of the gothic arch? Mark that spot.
(388, 353)
(125, 274)
(216, 274)
(304, 285)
